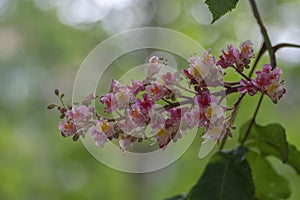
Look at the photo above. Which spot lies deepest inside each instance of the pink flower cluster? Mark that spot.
(77, 118)
(267, 81)
(202, 70)
(238, 59)
(169, 105)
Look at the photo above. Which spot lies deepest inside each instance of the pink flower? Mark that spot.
(267, 81)
(158, 120)
(122, 97)
(247, 51)
(189, 76)
(176, 114)
(169, 78)
(263, 77)
(214, 112)
(216, 131)
(136, 87)
(127, 126)
(195, 117)
(126, 141)
(137, 116)
(110, 101)
(163, 137)
(105, 127)
(275, 91)
(207, 59)
(146, 105)
(153, 67)
(78, 114)
(276, 74)
(67, 128)
(247, 86)
(100, 138)
(155, 90)
(115, 86)
(201, 66)
(228, 58)
(203, 99)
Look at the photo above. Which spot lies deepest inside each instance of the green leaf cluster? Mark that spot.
(245, 173)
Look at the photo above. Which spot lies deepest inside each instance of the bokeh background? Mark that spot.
(43, 43)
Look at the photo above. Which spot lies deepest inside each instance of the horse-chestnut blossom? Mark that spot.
(169, 104)
(67, 128)
(154, 66)
(267, 81)
(78, 114)
(238, 59)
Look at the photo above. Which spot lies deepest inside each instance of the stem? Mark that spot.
(229, 84)
(227, 91)
(264, 32)
(242, 74)
(165, 100)
(236, 105)
(232, 117)
(259, 55)
(252, 120)
(275, 48)
(62, 102)
(281, 45)
(185, 89)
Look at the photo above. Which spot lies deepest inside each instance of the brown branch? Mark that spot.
(282, 45)
(264, 32)
(259, 55)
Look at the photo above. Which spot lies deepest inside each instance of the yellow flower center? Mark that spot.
(162, 132)
(246, 48)
(272, 88)
(104, 126)
(68, 126)
(208, 113)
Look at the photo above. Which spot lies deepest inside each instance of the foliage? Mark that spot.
(220, 8)
(227, 176)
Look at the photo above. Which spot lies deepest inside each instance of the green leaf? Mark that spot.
(269, 140)
(218, 8)
(294, 158)
(227, 176)
(268, 184)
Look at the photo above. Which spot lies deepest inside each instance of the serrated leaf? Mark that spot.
(294, 158)
(269, 140)
(268, 184)
(218, 8)
(227, 176)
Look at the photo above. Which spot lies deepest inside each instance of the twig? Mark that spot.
(259, 55)
(232, 117)
(264, 32)
(281, 45)
(252, 120)
(242, 74)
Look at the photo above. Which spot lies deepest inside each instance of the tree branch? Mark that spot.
(282, 45)
(264, 32)
(259, 55)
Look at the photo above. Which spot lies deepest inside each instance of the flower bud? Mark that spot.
(51, 106)
(56, 92)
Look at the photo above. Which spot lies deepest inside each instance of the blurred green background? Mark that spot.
(42, 44)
